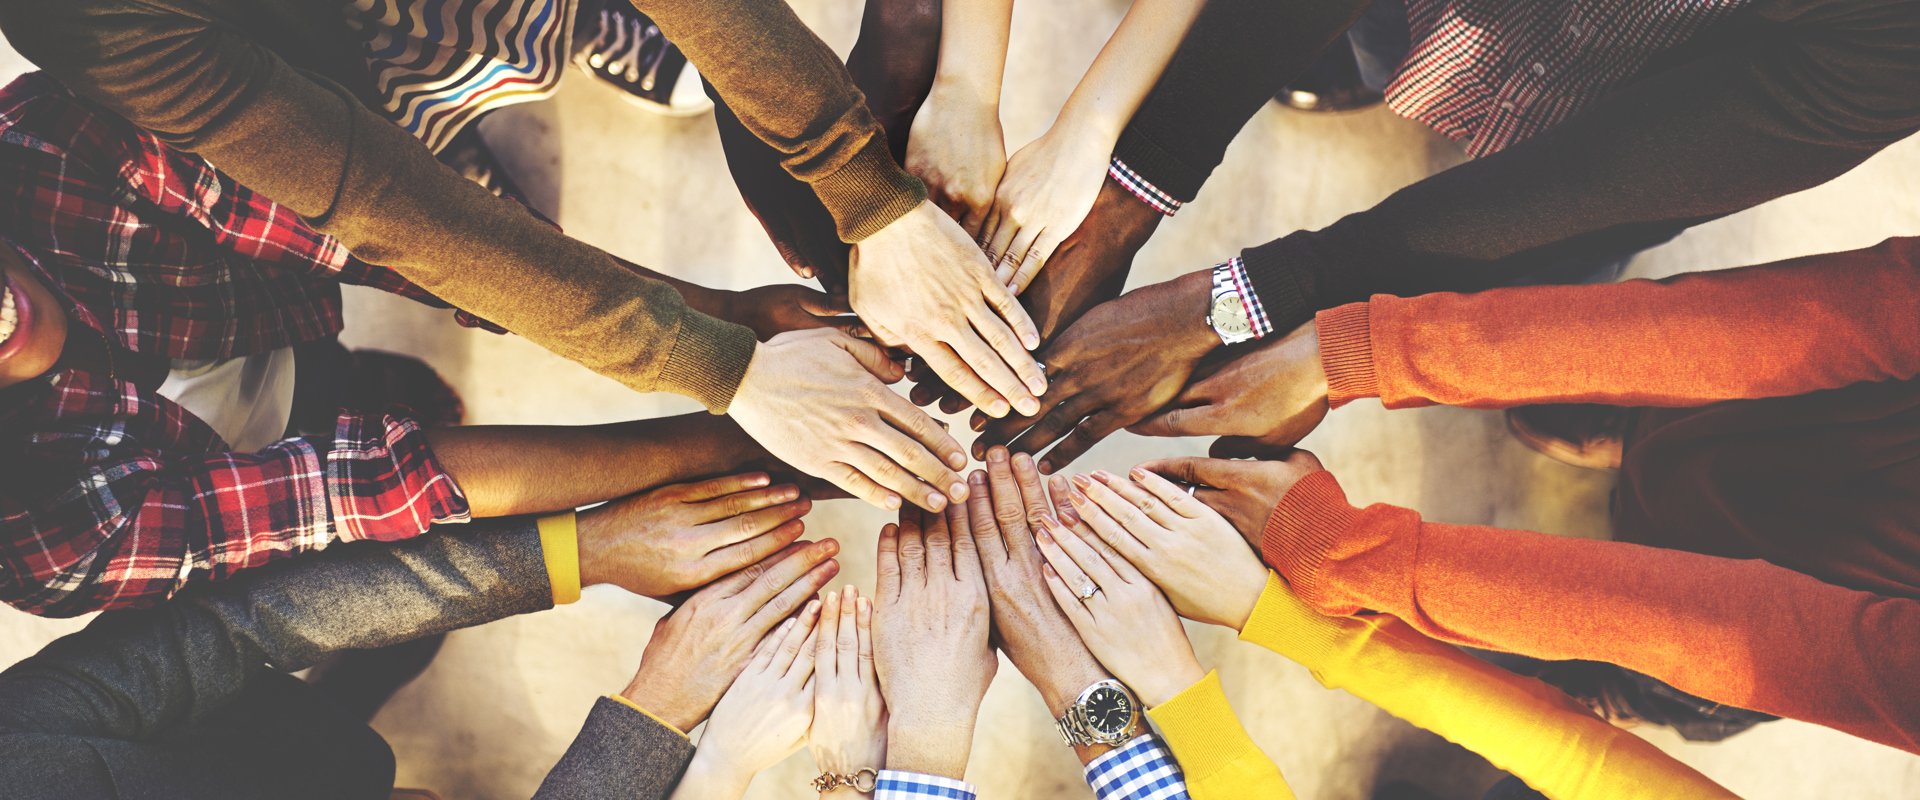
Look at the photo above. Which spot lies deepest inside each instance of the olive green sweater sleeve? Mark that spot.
(792, 92)
(188, 72)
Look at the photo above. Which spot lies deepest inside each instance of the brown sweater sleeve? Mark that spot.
(1774, 330)
(1745, 633)
(204, 87)
(792, 92)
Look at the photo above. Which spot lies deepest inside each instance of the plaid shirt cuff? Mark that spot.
(1249, 299)
(384, 483)
(1143, 770)
(1148, 193)
(913, 786)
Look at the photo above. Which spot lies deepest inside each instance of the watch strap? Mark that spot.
(1225, 283)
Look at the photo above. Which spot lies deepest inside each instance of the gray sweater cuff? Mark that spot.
(620, 753)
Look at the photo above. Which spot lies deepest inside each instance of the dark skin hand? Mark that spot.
(1088, 269)
(1245, 492)
(1276, 394)
(1123, 361)
(1028, 625)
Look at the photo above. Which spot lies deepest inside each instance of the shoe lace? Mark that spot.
(620, 44)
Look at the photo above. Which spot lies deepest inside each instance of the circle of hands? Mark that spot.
(1076, 581)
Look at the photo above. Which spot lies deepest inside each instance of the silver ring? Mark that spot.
(1087, 593)
(1191, 487)
(1043, 367)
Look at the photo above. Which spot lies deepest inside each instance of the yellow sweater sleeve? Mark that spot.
(1219, 759)
(1521, 725)
(560, 546)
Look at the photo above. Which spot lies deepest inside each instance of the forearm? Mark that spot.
(792, 92)
(1744, 633)
(1725, 131)
(1126, 69)
(528, 469)
(1780, 329)
(930, 748)
(973, 51)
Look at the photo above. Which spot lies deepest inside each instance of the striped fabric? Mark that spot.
(1142, 770)
(438, 64)
(1147, 192)
(1494, 72)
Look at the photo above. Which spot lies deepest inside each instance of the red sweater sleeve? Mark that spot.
(1744, 633)
(1774, 330)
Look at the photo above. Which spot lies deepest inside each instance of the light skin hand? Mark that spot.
(1277, 394)
(1244, 492)
(818, 401)
(679, 537)
(698, 650)
(922, 283)
(930, 649)
(1187, 549)
(957, 148)
(1033, 631)
(762, 718)
(1127, 623)
(849, 716)
(1049, 187)
(1121, 362)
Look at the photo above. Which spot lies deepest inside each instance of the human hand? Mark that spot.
(1118, 364)
(930, 641)
(1245, 492)
(1277, 394)
(765, 714)
(677, 537)
(1187, 549)
(1033, 631)
(1121, 616)
(780, 307)
(922, 283)
(813, 400)
(1049, 187)
(1088, 269)
(698, 650)
(849, 716)
(957, 148)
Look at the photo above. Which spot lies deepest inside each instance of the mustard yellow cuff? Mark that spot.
(1213, 749)
(650, 715)
(560, 544)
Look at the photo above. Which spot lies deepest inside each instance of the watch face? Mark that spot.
(1230, 315)
(1109, 710)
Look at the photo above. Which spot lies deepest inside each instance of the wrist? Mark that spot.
(1159, 686)
(716, 774)
(929, 747)
(957, 90)
(1190, 297)
(663, 705)
(1061, 686)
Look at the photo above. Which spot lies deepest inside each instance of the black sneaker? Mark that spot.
(619, 45)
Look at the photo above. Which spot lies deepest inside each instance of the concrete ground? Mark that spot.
(501, 703)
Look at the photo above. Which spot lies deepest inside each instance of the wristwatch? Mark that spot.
(1104, 713)
(1227, 313)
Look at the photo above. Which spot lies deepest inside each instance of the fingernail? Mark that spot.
(978, 423)
(787, 626)
(977, 478)
(935, 502)
(1046, 467)
(787, 495)
(997, 409)
(1082, 481)
(957, 460)
(1022, 460)
(1037, 385)
(996, 454)
(1067, 517)
(833, 598)
(758, 481)
(1031, 341)
(1028, 406)
(893, 502)
(1104, 476)
(1043, 535)
(958, 492)
(1079, 498)
(813, 607)
(1137, 474)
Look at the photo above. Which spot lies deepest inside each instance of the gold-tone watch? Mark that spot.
(862, 780)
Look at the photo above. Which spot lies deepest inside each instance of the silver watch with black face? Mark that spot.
(1104, 713)
(1227, 313)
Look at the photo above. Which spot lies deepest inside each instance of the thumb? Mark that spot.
(872, 357)
(1201, 420)
(1194, 470)
(821, 304)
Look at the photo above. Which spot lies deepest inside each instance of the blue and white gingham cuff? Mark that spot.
(1143, 770)
(914, 786)
(1249, 299)
(1139, 187)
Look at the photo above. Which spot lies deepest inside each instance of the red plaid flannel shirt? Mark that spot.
(111, 496)
(1495, 72)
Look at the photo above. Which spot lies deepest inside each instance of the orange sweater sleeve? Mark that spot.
(1775, 330)
(1745, 633)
